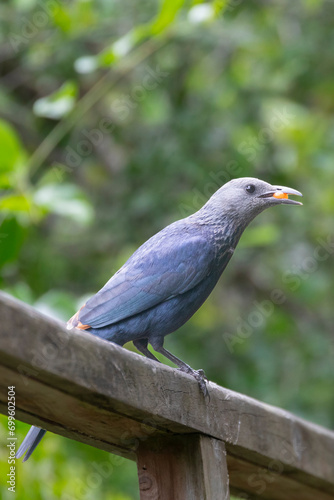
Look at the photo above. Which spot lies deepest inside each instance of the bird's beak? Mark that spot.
(280, 194)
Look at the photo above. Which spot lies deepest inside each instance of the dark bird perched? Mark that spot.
(170, 276)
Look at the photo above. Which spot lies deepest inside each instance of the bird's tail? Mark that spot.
(30, 442)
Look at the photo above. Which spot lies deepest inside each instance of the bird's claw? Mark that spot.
(204, 388)
(201, 373)
(201, 378)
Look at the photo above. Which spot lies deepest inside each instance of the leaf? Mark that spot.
(11, 149)
(166, 16)
(86, 64)
(57, 104)
(65, 200)
(201, 13)
(11, 240)
(121, 47)
(15, 203)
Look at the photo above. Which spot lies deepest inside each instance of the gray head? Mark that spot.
(243, 199)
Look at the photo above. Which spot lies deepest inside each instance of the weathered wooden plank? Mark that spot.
(99, 382)
(190, 467)
(270, 483)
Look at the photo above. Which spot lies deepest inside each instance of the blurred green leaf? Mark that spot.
(57, 104)
(11, 151)
(11, 239)
(15, 203)
(167, 14)
(66, 200)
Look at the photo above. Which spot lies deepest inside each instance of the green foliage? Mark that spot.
(117, 118)
(58, 104)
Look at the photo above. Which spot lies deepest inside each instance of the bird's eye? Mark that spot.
(250, 188)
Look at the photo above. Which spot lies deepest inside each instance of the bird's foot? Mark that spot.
(201, 378)
(201, 373)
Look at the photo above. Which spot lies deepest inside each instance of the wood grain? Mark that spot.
(88, 389)
(182, 468)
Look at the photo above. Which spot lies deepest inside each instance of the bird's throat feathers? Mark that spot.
(226, 220)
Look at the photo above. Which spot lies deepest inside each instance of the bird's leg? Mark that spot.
(199, 375)
(141, 345)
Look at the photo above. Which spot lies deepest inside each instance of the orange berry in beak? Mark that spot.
(280, 195)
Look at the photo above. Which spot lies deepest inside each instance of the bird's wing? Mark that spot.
(159, 270)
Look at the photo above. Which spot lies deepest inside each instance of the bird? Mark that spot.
(169, 277)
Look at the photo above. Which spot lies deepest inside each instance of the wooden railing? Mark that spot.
(186, 447)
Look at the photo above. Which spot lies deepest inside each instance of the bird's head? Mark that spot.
(246, 197)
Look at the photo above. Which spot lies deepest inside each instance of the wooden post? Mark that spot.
(191, 467)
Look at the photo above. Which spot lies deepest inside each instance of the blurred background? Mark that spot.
(119, 117)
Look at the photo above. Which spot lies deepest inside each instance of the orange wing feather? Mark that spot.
(74, 322)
